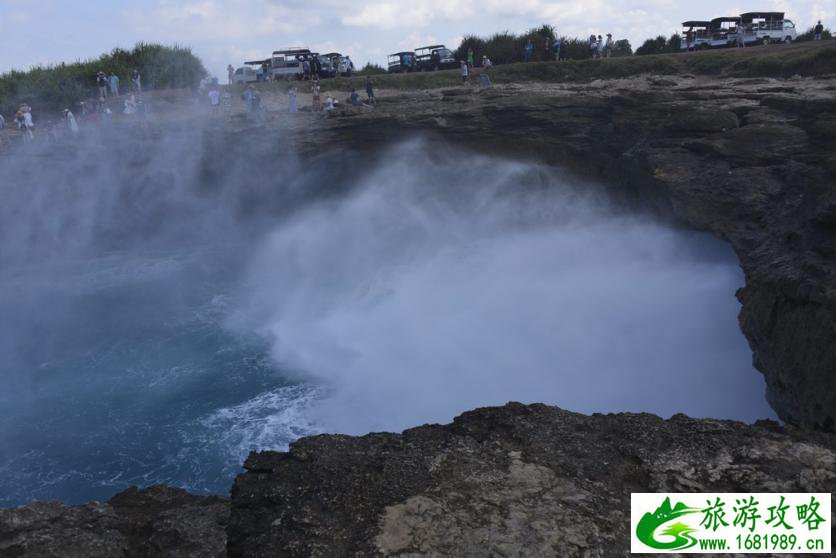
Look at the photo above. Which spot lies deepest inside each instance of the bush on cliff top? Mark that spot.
(63, 85)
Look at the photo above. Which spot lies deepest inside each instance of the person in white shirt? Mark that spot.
(72, 125)
(465, 71)
(215, 100)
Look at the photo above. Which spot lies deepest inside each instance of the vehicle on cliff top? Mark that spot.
(250, 72)
(702, 34)
(287, 63)
(723, 31)
(434, 57)
(766, 27)
(402, 62)
(329, 64)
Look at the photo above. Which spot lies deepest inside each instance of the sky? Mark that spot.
(221, 32)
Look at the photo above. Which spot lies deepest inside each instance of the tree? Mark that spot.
(621, 48)
(810, 34)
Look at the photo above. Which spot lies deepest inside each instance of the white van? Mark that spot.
(767, 27)
(246, 74)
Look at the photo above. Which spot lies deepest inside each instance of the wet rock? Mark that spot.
(750, 160)
(158, 521)
(506, 481)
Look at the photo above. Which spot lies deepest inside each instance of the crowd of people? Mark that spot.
(91, 112)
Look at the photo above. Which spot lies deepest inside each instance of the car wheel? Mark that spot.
(765, 41)
(436, 68)
(788, 39)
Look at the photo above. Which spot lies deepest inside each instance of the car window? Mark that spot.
(239, 71)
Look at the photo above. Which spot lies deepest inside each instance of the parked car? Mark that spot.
(327, 68)
(345, 67)
(435, 57)
(767, 27)
(702, 34)
(724, 31)
(402, 62)
(287, 64)
(247, 74)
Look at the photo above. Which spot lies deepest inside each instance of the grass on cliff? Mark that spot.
(805, 59)
(51, 88)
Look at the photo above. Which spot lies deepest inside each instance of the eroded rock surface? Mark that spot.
(158, 521)
(507, 481)
(751, 160)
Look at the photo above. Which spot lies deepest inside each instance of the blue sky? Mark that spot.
(230, 31)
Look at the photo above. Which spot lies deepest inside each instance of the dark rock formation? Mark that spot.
(506, 481)
(158, 521)
(514, 480)
(751, 160)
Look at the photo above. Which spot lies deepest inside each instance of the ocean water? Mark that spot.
(168, 305)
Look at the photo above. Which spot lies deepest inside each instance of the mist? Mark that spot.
(172, 300)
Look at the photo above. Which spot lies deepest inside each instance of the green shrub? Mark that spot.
(51, 88)
(810, 34)
(371, 70)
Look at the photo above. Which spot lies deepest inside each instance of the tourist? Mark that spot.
(316, 103)
(226, 102)
(230, 72)
(291, 100)
(354, 99)
(470, 57)
(349, 66)
(599, 45)
(136, 79)
(608, 46)
(556, 46)
(592, 45)
(465, 71)
(101, 80)
(689, 39)
(247, 97)
(370, 91)
(486, 62)
(817, 31)
(529, 51)
(130, 105)
(741, 40)
(329, 104)
(2, 122)
(106, 116)
(25, 123)
(306, 69)
(214, 100)
(72, 125)
(114, 84)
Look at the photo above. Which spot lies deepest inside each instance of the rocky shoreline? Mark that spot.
(514, 480)
(751, 160)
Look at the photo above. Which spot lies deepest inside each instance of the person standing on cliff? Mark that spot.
(470, 55)
(230, 72)
(529, 51)
(316, 103)
(370, 91)
(556, 46)
(114, 84)
(817, 31)
(136, 78)
(464, 71)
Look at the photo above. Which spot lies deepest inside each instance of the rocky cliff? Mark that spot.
(749, 159)
(518, 480)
